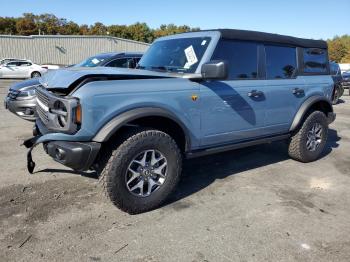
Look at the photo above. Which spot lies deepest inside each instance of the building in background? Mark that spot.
(63, 49)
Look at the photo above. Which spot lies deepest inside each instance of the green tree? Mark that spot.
(336, 50)
(8, 25)
(84, 30)
(140, 32)
(98, 29)
(27, 25)
(119, 31)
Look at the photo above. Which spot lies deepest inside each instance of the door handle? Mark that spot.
(255, 93)
(298, 91)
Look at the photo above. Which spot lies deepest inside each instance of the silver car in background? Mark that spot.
(21, 69)
(21, 98)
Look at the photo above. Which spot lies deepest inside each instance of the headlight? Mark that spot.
(62, 114)
(27, 92)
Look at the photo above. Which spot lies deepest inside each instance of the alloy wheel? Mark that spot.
(146, 173)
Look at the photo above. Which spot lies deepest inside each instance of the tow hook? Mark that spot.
(30, 143)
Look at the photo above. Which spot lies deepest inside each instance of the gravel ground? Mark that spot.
(253, 204)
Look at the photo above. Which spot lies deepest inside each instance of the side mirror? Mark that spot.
(216, 69)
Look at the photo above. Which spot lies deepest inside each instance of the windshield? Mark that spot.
(175, 55)
(93, 61)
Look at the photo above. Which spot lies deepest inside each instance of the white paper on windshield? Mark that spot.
(95, 61)
(190, 56)
(204, 42)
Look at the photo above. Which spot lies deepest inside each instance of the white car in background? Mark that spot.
(21, 69)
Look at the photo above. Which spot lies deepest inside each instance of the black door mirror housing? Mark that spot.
(216, 69)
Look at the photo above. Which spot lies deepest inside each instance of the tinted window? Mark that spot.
(315, 60)
(123, 62)
(281, 62)
(94, 60)
(242, 58)
(11, 64)
(23, 64)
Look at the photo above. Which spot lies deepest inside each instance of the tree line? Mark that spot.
(339, 49)
(49, 24)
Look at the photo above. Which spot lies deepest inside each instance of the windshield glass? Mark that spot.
(93, 61)
(175, 55)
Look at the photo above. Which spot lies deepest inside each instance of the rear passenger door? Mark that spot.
(284, 90)
(234, 109)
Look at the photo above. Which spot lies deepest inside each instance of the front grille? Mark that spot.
(12, 94)
(42, 114)
(44, 99)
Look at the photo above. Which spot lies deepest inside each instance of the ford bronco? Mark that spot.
(192, 94)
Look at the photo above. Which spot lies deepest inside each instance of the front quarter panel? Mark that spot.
(101, 101)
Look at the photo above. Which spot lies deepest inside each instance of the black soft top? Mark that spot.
(246, 35)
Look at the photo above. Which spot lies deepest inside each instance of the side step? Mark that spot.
(219, 149)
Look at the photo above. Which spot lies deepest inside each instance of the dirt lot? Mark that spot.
(253, 204)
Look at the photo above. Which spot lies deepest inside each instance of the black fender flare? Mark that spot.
(120, 120)
(305, 107)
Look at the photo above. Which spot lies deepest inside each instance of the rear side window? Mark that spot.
(242, 58)
(315, 60)
(281, 62)
(24, 64)
(123, 62)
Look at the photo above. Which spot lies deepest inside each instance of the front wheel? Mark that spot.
(143, 171)
(308, 143)
(35, 75)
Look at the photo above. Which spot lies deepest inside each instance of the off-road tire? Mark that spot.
(297, 145)
(113, 173)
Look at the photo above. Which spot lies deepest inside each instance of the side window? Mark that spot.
(281, 62)
(24, 64)
(315, 60)
(242, 58)
(11, 64)
(122, 62)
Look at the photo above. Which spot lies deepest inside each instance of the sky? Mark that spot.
(302, 18)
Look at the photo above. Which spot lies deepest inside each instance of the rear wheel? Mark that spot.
(142, 171)
(308, 143)
(35, 75)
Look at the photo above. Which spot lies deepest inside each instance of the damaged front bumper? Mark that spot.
(79, 156)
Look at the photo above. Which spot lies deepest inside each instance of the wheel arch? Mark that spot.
(147, 117)
(311, 104)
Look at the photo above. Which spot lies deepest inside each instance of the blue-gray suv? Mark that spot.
(192, 94)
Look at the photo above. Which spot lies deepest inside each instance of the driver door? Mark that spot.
(233, 110)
